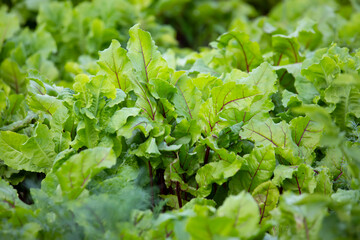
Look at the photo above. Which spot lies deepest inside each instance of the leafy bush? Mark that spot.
(110, 128)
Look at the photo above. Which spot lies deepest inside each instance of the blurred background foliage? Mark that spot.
(62, 38)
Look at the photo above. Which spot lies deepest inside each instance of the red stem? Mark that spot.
(297, 181)
(207, 153)
(337, 178)
(278, 63)
(151, 184)
(306, 229)
(178, 194)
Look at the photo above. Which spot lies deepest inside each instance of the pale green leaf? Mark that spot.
(267, 196)
(115, 64)
(243, 211)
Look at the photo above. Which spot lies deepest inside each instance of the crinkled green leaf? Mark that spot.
(40, 149)
(61, 138)
(119, 118)
(186, 131)
(258, 168)
(135, 123)
(147, 149)
(216, 172)
(87, 134)
(32, 154)
(10, 151)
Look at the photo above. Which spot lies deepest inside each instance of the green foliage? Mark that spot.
(109, 130)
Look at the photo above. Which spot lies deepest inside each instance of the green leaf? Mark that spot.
(100, 86)
(119, 118)
(204, 83)
(134, 123)
(215, 172)
(9, 198)
(276, 134)
(61, 138)
(324, 183)
(347, 106)
(186, 131)
(40, 149)
(10, 151)
(44, 66)
(174, 173)
(78, 170)
(187, 100)
(160, 88)
(115, 64)
(283, 172)
(232, 95)
(246, 54)
(21, 124)
(12, 75)
(32, 154)
(287, 45)
(80, 85)
(263, 77)
(2, 100)
(290, 99)
(326, 64)
(147, 149)
(296, 178)
(300, 215)
(222, 153)
(87, 134)
(304, 86)
(308, 34)
(268, 132)
(201, 227)
(9, 25)
(258, 168)
(334, 160)
(56, 16)
(145, 101)
(267, 196)
(43, 103)
(305, 132)
(243, 212)
(145, 57)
